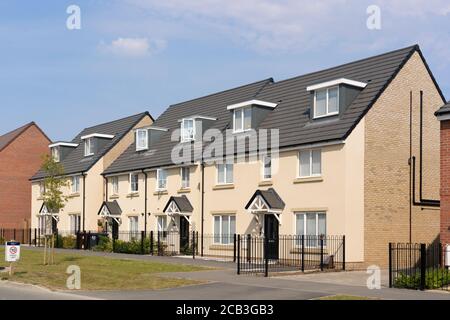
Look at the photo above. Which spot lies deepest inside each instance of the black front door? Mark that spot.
(271, 233)
(184, 235)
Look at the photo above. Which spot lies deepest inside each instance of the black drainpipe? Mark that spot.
(422, 201)
(84, 201)
(106, 188)
(145, 202)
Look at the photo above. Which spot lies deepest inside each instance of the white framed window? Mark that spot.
(310, 163)
(41, 188)
(326, 102)
(161, 179)
(225, 173)
(185, 178)
(267, 167)
(187, 130)
(161, 223)
(242, 119)
(88, 147)
(224, 229)
(141, 139)
(75, 184)
(75, 223)
(55, 154)
(41, 224)
(134, 182)
(115, 185)
(312, 225)
(133, 224)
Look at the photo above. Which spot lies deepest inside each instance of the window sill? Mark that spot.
(40, 198)
(308, 179)
(223, 186)
(114, 196)
(74, 195)
(184, 190)
(265, 183)
(133, 195)
(160, 193)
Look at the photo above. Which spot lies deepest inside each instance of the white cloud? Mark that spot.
(133, 47)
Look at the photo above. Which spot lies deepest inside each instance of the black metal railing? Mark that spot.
(263, 255)
(418, 266)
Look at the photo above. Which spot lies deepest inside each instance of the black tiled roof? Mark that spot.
(182, 203)
(270, 196)
(291, 116)
(443, 110)
(76, 162)
(113, 208)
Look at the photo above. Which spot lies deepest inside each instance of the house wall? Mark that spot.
(18, 162)
(386, 187)
(95, 189)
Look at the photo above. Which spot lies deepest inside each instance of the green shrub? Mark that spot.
(104, 244)
(434, 279)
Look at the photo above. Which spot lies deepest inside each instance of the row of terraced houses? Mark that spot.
(348, 141)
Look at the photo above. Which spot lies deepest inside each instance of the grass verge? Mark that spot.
(97, 273)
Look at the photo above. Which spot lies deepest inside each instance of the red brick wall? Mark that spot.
(18, 162)
(445, 181)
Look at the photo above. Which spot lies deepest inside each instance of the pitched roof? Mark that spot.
(112, 207)
(445, 109)
(292, 114)
(76, 162)
(8, 138)
(214, 105)
(270, 196)
(183, 204)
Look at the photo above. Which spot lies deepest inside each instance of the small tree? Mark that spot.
(53, 196)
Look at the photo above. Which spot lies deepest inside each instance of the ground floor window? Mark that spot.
(75, 222)
(162, 226)
(312, 225)
(224, 229)
(41, 224)
(133, 223)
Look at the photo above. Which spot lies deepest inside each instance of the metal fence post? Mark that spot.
(303, 253)
(238, 254)
(35, 237)
(113, 244)
(423, 265)
(343, 252)
(15, 235)
(151, 242)
(159, 243)
(321, 253)
(390, 265)
(266, 256)
(142, 242)
(249, 249)
(193, 245)
(234, 247)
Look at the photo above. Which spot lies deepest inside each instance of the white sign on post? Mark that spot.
(12, 251)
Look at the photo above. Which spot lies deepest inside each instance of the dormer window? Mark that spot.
(187, 130)
(141, 139)
(326, 102)
(242, 119)
(55, 154)
(88, 147)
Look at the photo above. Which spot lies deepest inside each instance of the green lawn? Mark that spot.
(97, 273)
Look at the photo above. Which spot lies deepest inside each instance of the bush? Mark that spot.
(104, 244)
(69, 242)
(434, 279)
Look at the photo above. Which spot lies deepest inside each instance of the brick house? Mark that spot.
(21, 153)
(443, 115)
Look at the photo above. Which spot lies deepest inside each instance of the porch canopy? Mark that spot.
(180, 206)
(111, 210)
(266, 202)
(50, 219)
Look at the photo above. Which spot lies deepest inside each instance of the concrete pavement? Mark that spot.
(18, 291)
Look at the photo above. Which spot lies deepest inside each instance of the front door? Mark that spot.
(184, 235)
(271, 229)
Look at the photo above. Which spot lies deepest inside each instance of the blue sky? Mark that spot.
(136, 55)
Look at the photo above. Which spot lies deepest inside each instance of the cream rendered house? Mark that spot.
(349, 138)
(84, 159)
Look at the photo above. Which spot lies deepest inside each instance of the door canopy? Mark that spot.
(180, 206)
(266, 202)
(46, 211)
(111, 210)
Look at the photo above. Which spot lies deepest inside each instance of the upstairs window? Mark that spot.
(134, 182)
(75, 184)
(310, 163)
(141, 139)
(161, 177)
(88, 147)
(41, 188)
(115, 185)
(242, 119)
(55, 154)
(185, 178)
(187, 130)
(326, 102)
(225, 173)
(267, 167)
